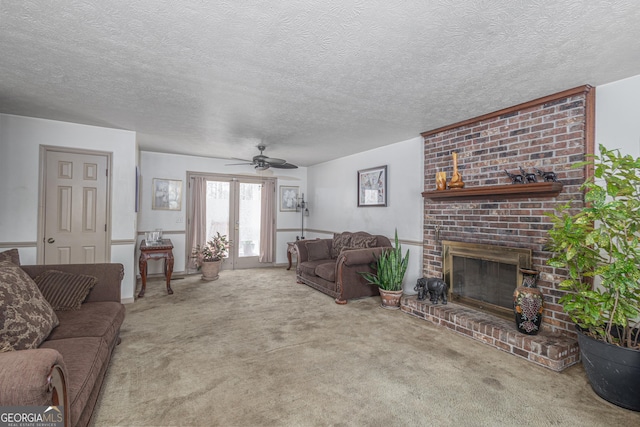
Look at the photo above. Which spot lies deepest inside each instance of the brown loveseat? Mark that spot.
(68, 367)
(332, 265)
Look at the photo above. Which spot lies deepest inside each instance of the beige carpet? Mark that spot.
(256, 349)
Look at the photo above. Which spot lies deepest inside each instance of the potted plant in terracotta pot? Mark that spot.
(208, 258)
(390, 268)
(599, 247)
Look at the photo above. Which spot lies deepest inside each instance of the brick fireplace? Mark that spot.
(549, 134)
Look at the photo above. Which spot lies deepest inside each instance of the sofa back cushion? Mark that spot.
(317, 250)
(348, 241)
(26, 318)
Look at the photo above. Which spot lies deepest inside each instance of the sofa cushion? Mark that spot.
(94, 319)
(309, 267)
(340, 240)
(65, 291)
(26, 318)
(12, 255)
(317, 250)
(86, 360)
(327, 271)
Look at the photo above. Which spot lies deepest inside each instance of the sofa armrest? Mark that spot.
(109, 277)
(33, 378)
(360, 256)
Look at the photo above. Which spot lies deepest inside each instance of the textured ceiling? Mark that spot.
(312, 80)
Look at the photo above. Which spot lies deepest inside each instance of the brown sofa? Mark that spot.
(332, 265)
(67, 368)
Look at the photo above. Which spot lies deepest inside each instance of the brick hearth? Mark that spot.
(552, 351)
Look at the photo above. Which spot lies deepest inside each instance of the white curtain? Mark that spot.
(267, 221)
(198, 215)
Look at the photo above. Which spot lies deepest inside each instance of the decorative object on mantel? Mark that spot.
(435, 287)
(528, 176)
(441, 181)
(456, 178)
(547, 176)
(528, 303)
(508, 191)
(515, 178)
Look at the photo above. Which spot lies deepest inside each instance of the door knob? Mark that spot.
(51, 240)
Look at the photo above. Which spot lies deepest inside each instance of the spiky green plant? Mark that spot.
(389, 267)
(601, 241)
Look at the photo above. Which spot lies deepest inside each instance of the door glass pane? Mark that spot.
(217, 208)
(249, 219)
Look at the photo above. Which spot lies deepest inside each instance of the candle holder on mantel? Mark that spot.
(456, 178)
(441, 180)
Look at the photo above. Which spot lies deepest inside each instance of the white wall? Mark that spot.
(173, 224)
(20, 141)
(618, 115)
(334, 207)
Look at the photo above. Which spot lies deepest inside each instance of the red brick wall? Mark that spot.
(550, 134)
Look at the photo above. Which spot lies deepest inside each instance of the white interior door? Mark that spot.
(75, 208)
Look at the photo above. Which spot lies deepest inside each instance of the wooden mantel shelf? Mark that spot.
(510, 191)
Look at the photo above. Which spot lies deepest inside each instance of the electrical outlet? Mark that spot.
(180, 220)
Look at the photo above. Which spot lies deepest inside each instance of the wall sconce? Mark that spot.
(303, 208)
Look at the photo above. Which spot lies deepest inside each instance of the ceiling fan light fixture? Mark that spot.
(261, 167)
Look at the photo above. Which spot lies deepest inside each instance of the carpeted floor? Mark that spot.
(256, 349)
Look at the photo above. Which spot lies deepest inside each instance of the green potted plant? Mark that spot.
(599, 248)
(390, 268)
(208, 257)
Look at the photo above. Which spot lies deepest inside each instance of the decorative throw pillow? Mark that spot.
(26, 318)
(65, 291)
(11, 255)
(317, 250)
(361, 242)
(340, 240)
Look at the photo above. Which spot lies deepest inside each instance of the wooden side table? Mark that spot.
(161, 250)
(291, 248)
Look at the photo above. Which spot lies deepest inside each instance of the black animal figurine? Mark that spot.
(528, 177)
(547, 176)
(421, 288)
(436, 288)
(515, 179)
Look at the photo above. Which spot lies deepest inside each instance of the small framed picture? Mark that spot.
(288, 198)
(372, 187)
(167, 194)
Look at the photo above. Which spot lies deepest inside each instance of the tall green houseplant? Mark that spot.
(390, 268)
(599, 248)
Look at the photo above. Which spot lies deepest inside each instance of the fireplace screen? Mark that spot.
(484, 276)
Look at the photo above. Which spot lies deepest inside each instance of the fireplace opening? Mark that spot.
(484, 276)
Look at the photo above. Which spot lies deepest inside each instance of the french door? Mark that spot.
(234, 208)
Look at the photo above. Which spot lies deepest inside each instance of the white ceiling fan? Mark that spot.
(262, 162)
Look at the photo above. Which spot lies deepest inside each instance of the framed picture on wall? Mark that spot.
(167, 194)
(372, 187)
(288, 198)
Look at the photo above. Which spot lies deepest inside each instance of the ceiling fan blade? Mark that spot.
(237, 164)
(284, 165)
(273, 161)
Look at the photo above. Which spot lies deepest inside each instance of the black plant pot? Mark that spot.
(613, 371)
